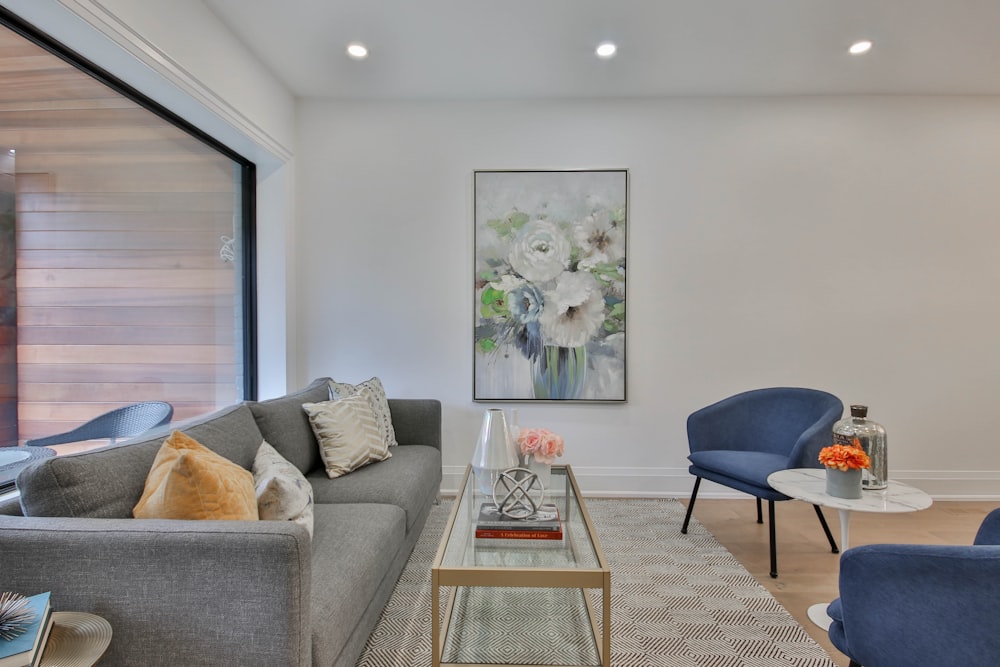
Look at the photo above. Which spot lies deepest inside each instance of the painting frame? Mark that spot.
(550, 257)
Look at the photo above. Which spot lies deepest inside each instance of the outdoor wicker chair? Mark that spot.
(123, 422)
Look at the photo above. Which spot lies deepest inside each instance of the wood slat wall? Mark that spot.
(122, 294)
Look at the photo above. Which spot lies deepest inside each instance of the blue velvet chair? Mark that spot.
(742, 439)
(903, 605)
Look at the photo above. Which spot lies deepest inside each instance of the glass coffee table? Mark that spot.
(521, 602)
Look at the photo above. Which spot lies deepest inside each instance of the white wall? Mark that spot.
(848, 244)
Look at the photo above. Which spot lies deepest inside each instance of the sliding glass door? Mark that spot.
(132, 250)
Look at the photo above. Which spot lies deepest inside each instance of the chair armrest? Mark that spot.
(805, 453)
(175, 592)
(416, 421)
(905, 605)
(989, 530)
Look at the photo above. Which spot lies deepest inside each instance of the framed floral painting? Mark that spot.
(550, 250)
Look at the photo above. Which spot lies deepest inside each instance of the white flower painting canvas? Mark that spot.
(550, 285)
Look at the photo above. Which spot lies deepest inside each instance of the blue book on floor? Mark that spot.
(25, 649)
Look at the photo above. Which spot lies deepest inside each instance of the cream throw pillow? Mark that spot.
(283, 493)
(189, 481)
(347, 432)
(379, 404)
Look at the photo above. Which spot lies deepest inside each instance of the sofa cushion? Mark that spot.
(417, 421)
(354, 546)
(285, 425)
(283, 494)
(410, 480)
(378, 400)
(108, 482)
(189, 481)
(347, 432)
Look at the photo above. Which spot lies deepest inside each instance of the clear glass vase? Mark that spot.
(871, 436)
(495, 451)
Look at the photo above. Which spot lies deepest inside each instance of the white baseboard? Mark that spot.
(677, 483)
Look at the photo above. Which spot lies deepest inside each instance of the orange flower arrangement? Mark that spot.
(844, 457)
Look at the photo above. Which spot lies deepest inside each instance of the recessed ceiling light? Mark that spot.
(859, 47)
(357, 51)
(606, 50)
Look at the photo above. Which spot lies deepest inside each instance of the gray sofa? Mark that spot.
(238, 593)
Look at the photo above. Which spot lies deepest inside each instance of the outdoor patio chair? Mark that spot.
(124, 422)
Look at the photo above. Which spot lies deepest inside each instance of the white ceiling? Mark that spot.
(475, 49)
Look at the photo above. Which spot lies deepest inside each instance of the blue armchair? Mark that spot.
(742, 439)
(903, 605)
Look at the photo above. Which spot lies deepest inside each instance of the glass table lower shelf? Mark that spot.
(520, 626)
(521, 602)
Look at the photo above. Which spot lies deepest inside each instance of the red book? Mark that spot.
(499, 533)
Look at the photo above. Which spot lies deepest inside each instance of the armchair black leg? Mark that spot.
(694, 494)
(760, 515)
(855, 663)
(774, 547)
(826, 529)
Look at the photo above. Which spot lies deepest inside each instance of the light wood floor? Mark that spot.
(807, 570)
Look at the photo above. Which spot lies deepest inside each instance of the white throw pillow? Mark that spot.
(283, 493)
(348, 433)
(379, 404)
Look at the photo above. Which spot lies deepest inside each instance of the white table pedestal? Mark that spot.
(817, 614)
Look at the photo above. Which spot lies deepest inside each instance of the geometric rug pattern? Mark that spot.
(676, 600)
(522, 626)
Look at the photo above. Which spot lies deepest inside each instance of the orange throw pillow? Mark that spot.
(189, 481)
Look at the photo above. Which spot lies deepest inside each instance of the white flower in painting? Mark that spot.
(540, 252)
(507, 283)
(601, 239)
(574, 310)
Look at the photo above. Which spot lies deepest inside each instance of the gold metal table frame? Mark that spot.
(465, 563)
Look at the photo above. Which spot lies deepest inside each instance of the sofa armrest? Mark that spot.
(175, 592)
(908, 604)
(416, 421)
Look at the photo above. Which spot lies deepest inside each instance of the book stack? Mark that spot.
(544, 524)
(25, 650)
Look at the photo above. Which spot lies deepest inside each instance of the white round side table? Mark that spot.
(809, 484)
(77, 639)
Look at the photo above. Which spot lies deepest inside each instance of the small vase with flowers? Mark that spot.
(844, 464)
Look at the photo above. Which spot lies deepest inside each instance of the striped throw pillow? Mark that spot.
(348, 433)
(378, 401)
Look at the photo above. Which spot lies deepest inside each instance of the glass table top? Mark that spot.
(577, 549)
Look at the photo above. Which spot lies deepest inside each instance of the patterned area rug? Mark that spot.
(676, 600)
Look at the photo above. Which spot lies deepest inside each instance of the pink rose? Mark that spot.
(541, 443)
